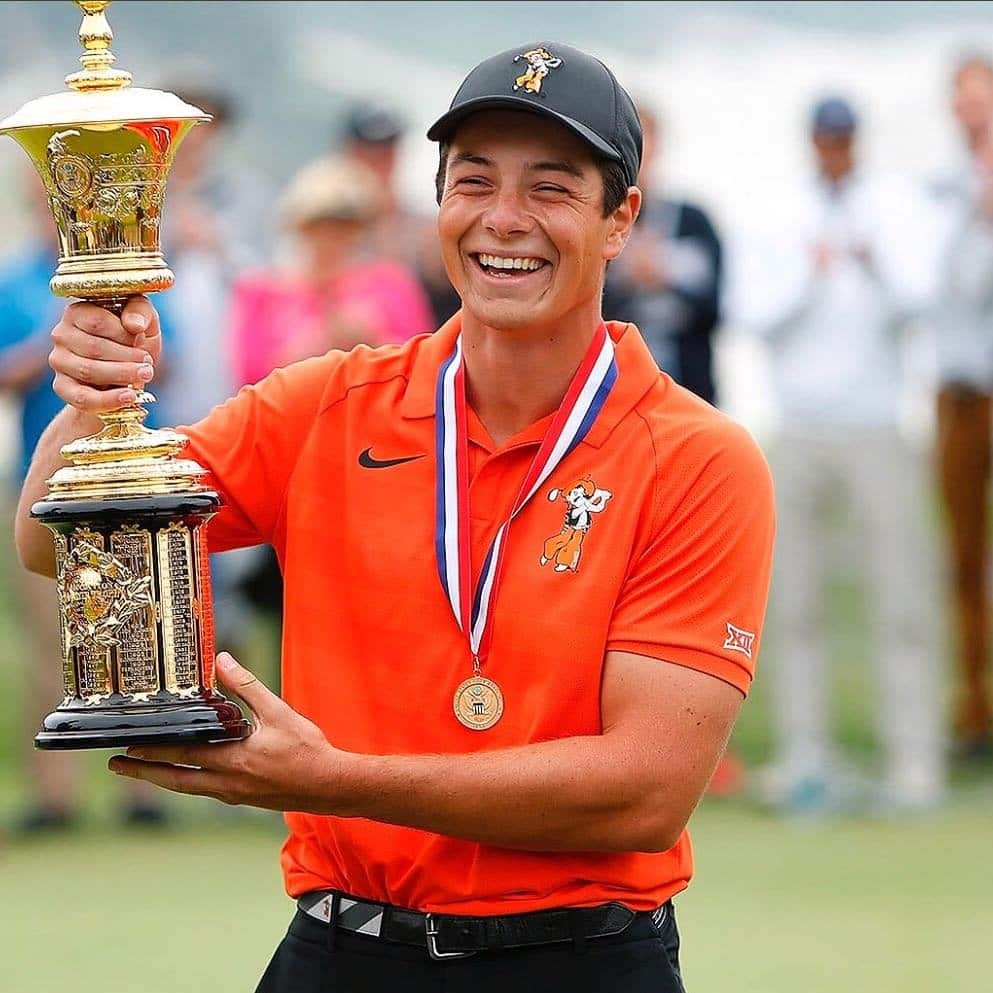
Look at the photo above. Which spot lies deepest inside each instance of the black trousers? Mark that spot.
(642, 959)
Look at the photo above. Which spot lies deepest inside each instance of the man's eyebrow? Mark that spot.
(570, 168)
(563, 165)
(472, 158)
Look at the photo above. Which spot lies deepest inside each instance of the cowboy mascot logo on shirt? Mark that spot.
(583, 499)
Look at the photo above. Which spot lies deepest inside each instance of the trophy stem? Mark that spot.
(114, 304)
(95, 36)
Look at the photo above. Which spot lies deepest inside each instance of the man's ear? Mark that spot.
(622, 221)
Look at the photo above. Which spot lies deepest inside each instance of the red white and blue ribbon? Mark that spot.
(583, 401)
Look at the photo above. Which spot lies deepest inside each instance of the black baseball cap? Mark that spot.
(833, 115)
(559, 82)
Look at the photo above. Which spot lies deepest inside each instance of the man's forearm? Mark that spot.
(34, 540)
(630, 789)
(572, 794)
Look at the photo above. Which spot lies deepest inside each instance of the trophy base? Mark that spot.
(211, 720)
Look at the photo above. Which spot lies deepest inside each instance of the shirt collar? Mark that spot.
(637, 373)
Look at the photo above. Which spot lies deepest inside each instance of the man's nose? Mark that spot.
(505, 215)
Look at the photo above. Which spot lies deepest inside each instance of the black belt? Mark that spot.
(447, 936)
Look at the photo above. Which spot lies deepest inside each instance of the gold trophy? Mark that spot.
(127, 513)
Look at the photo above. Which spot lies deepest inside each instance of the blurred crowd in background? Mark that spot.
(859, 264)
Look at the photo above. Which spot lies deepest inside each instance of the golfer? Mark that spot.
(487, 766)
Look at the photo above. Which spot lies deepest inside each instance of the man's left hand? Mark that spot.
(285, 764)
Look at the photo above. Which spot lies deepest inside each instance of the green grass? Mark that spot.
(104, 912)
(853, 906)
(776, 907)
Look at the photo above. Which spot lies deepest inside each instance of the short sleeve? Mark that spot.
(696, 594)
(250, 445)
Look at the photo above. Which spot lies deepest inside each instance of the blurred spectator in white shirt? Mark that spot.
(851, 269)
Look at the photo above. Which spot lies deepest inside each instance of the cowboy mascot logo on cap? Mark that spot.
(583, 499)
(540, 63)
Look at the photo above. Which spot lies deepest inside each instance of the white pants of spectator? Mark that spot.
(877, 482)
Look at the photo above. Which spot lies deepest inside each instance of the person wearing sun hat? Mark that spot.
(334, 293)
(487, 756)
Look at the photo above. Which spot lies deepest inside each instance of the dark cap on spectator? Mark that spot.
(559, 82)
(372, 123)
(833, 115)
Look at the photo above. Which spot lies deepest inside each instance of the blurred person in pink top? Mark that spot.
(334, 293)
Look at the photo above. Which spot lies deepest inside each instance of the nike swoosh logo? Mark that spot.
(368, 462)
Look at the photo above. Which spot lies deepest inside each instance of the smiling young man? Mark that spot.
(487, 764)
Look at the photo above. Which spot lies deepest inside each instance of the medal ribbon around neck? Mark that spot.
(583, 401)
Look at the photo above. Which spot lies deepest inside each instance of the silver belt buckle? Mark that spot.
(432, 935)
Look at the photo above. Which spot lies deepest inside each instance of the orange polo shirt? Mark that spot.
(674, 566)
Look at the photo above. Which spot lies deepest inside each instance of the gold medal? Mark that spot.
(478, 703)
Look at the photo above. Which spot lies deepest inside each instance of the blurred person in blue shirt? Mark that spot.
(28, 310)
(668, 281)
(852, 263)
(27, 307)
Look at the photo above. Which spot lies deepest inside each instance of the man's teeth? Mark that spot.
(499, 262)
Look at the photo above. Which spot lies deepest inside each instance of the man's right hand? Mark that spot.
(100, 359)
